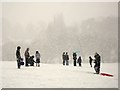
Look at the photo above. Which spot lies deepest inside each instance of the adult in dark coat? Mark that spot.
(67, 58)
(90, 60)
(63, 57)
(97, 63)
(18, 56)
(79, 61)
(74, 58)
(27, 55)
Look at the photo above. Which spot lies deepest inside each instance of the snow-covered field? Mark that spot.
(58, 76)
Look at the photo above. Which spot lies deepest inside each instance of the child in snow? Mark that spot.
(79, 61)
(37, 58)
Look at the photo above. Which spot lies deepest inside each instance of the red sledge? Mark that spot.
(106, 74)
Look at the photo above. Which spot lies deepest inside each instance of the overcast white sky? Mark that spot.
(21, 16)
(24, 13)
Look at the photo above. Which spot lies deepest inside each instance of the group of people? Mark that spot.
(78, 60)
(29, 60)
(65, 58)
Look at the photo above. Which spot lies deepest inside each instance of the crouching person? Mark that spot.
(31, 60)
(18, 56)
(37, 58)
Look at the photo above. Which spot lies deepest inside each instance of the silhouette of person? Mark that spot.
(27, 55)
(90, 60)
(63, 57)
(18, 56)
(31, 60)
(74, 58)
(67, 58)
(97, 63)
(79, 61)
(37, 58)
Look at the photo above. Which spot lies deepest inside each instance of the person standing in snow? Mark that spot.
(74, 58)
(79, 61)
(67, 59)
(37, 58)
(27, 55)
(97, 63)
(18, 56)
(63, 57)
(90, 60)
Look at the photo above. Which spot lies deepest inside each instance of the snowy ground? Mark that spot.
(58, 76)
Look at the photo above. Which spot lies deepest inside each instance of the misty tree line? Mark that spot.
(89, 36)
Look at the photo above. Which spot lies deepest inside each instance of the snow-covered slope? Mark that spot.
(58, 76)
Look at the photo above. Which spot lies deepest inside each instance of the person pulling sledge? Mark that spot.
(97, 63)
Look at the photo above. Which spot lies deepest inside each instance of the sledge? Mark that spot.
(21, 61)
(106, 74)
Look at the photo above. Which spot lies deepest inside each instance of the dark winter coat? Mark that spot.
(37, 57)
(67, 57)
(90, 60)
(31, 60)
(74, 56)
(79, 60)
(97, 60)
(18, 56)
(63, 56)
(27, 55)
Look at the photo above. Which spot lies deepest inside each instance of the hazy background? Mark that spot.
(0, 31)
(52, 28)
